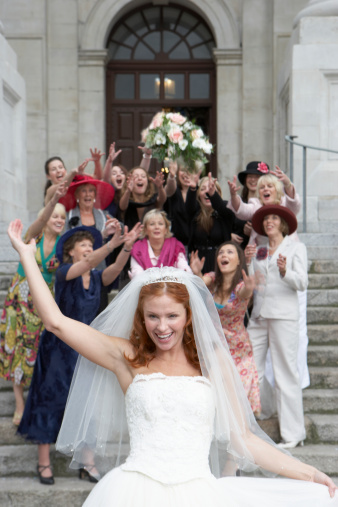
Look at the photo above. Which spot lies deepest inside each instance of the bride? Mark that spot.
(168, 375)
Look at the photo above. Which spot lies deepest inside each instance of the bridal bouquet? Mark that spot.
(171, 135)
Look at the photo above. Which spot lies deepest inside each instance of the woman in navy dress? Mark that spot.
(77, 293)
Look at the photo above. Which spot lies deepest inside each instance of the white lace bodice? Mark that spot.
(170, 421)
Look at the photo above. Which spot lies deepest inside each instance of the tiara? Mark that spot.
(163, 274)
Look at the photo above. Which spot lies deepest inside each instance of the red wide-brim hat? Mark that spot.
(104, 192)
(273, 209)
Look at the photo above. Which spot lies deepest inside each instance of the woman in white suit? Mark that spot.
(281, 270)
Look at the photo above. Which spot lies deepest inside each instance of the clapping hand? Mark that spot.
(196, 263)
(250, 252)
(281, 263)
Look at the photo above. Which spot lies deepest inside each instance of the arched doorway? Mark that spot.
(159, 57)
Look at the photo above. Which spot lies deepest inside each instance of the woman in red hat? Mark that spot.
(281, 270)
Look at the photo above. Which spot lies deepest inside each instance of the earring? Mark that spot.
(94, 200)
(77, 200)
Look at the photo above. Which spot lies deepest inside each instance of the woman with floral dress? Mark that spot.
(20, 324)
(232, 289)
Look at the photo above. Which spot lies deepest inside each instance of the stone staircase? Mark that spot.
(20, 487)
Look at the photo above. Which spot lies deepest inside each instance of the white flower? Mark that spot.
(183, 144)
(198, 143)
(207, 148)
(159, 138)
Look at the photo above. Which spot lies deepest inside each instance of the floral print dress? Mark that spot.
(232, 319)
(20, 325)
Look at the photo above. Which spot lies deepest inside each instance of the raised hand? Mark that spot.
(212, 185)
(82, 167)
(96, 155)
(158, 180)
(132, 236)
(111, 226)
(194, 178)
(14, 231)
(282, 177)
(61, 190)
(146, 151)
(196, 263)
(233, 186)
(281, 263)
(130, 183)
(113, 154)
(118, 238)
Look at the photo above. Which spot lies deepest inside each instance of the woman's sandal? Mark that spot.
(17, 418)
(87, 474)
(45, 480)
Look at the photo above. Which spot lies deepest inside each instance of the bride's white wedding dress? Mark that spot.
(170, 422)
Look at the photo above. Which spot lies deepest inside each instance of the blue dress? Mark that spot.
(56, 361)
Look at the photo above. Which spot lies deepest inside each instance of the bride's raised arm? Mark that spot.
(99, 348)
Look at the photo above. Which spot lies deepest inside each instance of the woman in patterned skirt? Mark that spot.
(20, 324)
(232, 289)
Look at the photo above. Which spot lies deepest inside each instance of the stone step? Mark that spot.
(28, 492)
(324, 266)
(21, 460)
(324, 428)
(322, 334)
(322, 315)
(322, 297)
(322, 456)
(321, 253)
(323, 377)
(323, 281)
(320, 401)
(322, 239)
(322, 355)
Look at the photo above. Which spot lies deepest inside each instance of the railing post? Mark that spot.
(304, 190)
(291, 157)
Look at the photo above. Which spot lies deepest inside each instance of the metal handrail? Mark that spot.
(290, 139)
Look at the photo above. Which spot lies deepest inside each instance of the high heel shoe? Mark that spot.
(45, 480)
(88, 474)
(291, 445)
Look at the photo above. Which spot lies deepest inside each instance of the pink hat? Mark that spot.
(104, 192)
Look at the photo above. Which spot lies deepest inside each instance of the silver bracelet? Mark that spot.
(147, 157)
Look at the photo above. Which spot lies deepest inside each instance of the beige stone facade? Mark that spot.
(276, 75)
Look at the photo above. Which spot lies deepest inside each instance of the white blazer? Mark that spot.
(276, 297)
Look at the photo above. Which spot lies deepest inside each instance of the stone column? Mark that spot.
(229, 112)
(12, 148)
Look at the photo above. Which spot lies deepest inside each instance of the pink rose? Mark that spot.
(156, 121)
(144, 135)
(176, 118)
(263, 168)
(175, 135)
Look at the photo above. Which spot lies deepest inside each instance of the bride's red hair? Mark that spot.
(145, 349)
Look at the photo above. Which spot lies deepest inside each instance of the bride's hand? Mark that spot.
(322, 478)
(15, 235)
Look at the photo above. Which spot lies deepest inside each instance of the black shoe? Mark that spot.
(87, 474)
(45, 480)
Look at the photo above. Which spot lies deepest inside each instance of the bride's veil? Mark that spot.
(94, 424)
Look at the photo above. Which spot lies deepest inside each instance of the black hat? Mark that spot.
(92, 230)
(273, 209)
(255, 167)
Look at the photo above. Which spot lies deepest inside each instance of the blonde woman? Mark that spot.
(21, 326)
(157, 247)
